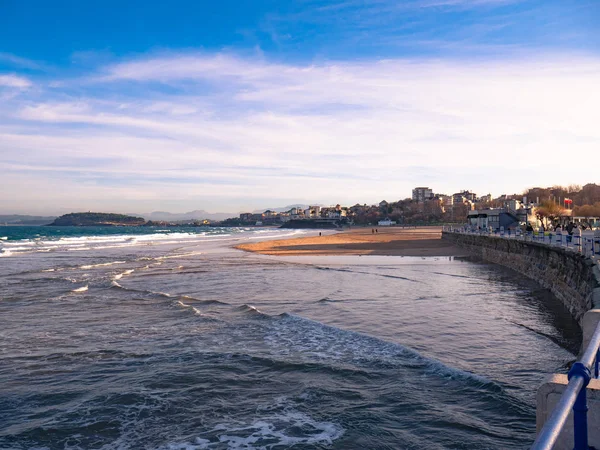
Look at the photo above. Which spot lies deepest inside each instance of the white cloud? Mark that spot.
(14, 81)
(231, 127)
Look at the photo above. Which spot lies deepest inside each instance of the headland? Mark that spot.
(88, 219)
(391, 241)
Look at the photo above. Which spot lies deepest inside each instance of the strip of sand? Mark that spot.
(395, 241)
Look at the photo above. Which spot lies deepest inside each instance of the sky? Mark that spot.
(232, 106)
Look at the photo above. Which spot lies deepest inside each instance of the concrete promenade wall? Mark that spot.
(572, 278)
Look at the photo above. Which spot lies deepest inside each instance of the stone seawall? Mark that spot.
(572, 278)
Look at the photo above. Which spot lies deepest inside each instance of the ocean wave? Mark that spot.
(301, 337)
(93, 266)
(251, 310)
(204, 302)
(185, 305)
(41, 243)
(367, 273)
(80, 289)
(122, 274)
(181, 255)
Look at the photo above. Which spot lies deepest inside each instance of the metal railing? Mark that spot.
(574, 397)
(587, 244)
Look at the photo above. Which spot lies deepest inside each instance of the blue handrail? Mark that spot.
(574, 397)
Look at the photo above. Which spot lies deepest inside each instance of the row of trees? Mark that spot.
(586, 195)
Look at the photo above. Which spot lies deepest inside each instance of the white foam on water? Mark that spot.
(4, 238)
(93, 266)
(80, 289)
(17, 249)
(160, 258)
(299, 337)
(277, 430)
(83, 243)
(122, 274)
(190, 307)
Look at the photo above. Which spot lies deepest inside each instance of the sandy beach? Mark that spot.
(422, 241)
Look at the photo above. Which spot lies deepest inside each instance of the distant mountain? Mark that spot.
(283, 208)
(198, 214)
(20, 219)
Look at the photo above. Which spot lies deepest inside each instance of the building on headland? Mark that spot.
(420, 194)
(464, 197)
(485, 198)
(312, 212)
(447, 200)
(273, 217)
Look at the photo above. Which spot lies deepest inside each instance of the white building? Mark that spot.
(420, 194)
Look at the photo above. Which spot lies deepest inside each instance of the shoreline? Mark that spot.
(392, 241)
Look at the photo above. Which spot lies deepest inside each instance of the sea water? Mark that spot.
(169, 339)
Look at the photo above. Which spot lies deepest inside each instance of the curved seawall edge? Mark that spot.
(571, 277)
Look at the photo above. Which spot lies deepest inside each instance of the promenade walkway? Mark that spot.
(586, 242)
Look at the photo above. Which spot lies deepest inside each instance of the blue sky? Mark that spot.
(238, 105)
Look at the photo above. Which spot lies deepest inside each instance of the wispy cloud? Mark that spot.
(14, 81)
(466, 27)
(17, 61)
(237, 133)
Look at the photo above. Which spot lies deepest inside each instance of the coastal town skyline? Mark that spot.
(587, 196)
(241, 107)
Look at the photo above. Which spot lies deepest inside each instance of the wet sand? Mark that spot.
(422, 241)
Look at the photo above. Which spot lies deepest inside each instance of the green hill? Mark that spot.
(89, 219)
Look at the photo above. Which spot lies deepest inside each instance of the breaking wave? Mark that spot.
(80, 289)
(306, 338)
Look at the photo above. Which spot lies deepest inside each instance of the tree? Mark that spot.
(587, 210)
(548, 211)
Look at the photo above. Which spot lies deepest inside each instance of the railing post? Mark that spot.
(580, 409)
(580, 431)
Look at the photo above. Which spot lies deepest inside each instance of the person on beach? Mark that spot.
(372, 230)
